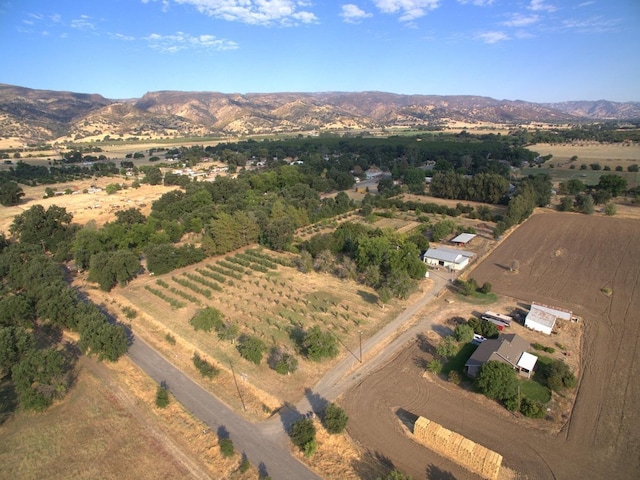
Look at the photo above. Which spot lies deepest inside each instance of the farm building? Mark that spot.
(447, 257)
(463, 238)
(510, 349)
(542, 318)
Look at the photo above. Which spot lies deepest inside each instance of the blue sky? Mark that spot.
(533, 50)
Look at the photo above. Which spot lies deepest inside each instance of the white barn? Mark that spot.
(542, 318)
(447, 258)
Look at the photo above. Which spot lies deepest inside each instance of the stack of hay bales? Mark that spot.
(461, 450)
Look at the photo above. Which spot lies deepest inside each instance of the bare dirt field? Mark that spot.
(566, 260)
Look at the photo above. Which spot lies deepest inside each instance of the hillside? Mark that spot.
(31, 116)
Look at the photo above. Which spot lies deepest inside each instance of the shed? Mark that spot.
(447, 257)
(542, 318)
(463, 238)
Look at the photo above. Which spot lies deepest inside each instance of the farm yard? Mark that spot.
(581, 263)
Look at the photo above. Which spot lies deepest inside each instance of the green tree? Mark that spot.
(566, 204)
(463, 333)
(334, 419)
(47, 228)
(614, 184)
(207, 319)
(318, 345)
(498, 380)
(10, 194)
(302, 433)
(585, 204)
(251, 348)
(447, 347)
(39, 378)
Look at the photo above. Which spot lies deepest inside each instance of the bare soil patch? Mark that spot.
(599, 439)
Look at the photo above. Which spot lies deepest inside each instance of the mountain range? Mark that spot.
(32, 116)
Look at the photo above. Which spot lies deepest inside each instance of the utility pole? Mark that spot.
(244, 407)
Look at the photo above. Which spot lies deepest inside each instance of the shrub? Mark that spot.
(162, 397)
(245, 465)
(486, 288)
(539, 346)
(335, 419)
(454, 377)
(557, 375)
(435, 366)
(226, 447)
(282, 362)
(171, 340)
(205, 368)
(532, 408)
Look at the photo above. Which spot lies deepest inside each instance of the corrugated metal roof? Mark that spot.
(540, 317)
(464, 238)
(448, 254)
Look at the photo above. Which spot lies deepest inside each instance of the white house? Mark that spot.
(447, 258)
(542, 318)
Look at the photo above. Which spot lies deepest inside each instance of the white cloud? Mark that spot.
(120, 36)
(409, 10)
(253, 12)
(541, 6)
(56, 18)
(353, 14)
(492, 37)
(477, 3)
(591, 25)
(519, 20)
(82, 23)
(183, 41)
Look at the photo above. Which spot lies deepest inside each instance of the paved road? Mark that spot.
(268, 449)
(266, 443)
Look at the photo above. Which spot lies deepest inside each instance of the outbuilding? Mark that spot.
(542, 318)
(447, 257)
(463, 238)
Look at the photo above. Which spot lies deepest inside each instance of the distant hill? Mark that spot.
(42, 115)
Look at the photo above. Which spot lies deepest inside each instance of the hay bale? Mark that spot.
(474, 457)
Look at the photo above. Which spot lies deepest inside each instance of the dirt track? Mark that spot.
(565, 261)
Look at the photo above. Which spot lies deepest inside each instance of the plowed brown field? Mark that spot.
(565, 260)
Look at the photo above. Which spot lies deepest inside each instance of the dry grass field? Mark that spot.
(108, 427)
(566, 260)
